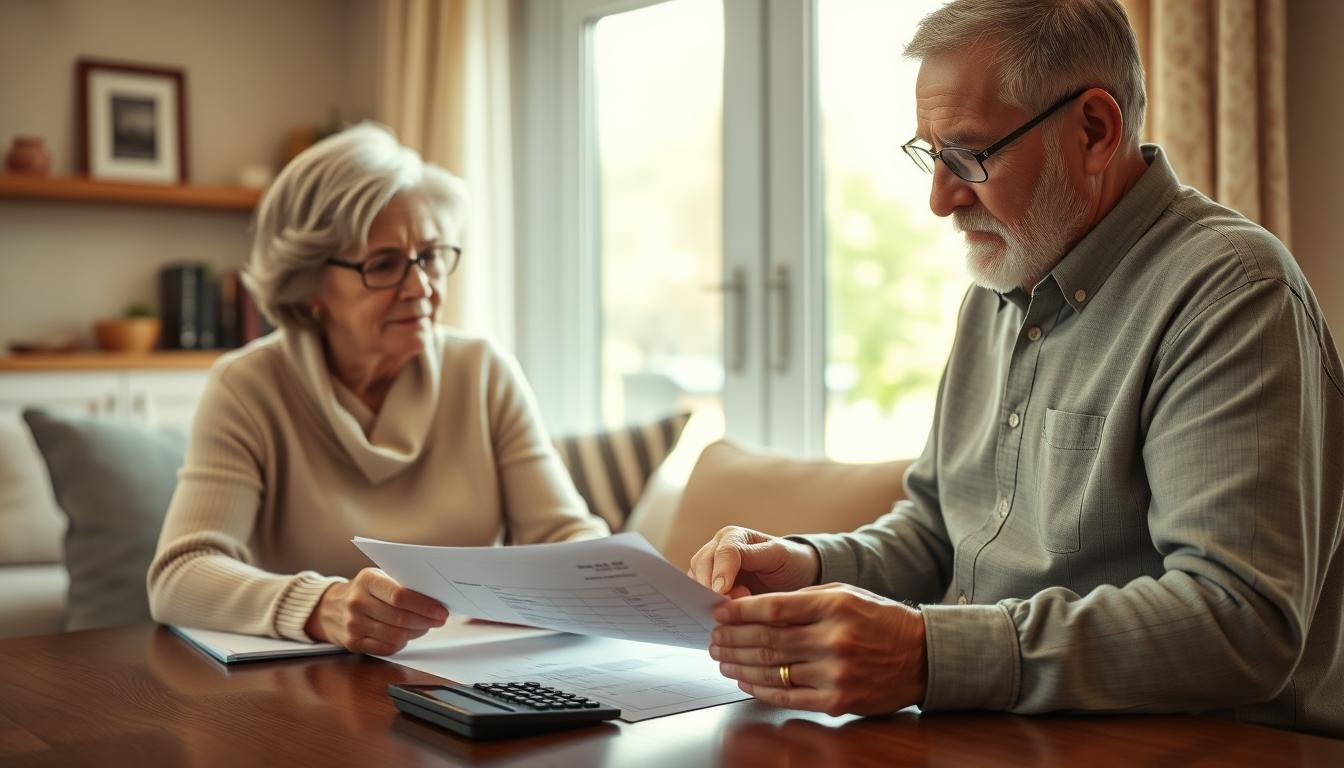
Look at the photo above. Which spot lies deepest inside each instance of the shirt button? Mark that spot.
(1080, 295)
(1003, 508)
(1033, 333)
(961, 599)
(1014, 420)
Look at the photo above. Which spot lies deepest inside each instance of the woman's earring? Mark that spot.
(317, 313)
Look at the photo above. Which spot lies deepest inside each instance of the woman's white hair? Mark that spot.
(321, 206)
(1044, 49)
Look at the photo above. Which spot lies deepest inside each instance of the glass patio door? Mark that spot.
(721, 220)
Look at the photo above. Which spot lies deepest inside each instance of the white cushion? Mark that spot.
(31, 524)
(32, 599)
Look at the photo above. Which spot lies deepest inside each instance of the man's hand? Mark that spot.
(373, 614)
(740, 561)
(847, 649)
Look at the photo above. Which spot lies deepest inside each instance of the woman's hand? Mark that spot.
(373, 614)
(740, 561)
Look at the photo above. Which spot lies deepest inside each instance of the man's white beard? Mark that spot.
(1032, 247)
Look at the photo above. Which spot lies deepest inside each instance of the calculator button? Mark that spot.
(572, 705)
(532, 685)
(591, 705)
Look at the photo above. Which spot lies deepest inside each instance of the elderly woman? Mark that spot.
(361, 416)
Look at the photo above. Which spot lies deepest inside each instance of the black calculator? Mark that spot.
(498, 710)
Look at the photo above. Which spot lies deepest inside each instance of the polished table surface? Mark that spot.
(141, 696)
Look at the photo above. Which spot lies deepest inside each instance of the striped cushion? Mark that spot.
(611, 468)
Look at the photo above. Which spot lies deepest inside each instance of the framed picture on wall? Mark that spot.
(132, 121)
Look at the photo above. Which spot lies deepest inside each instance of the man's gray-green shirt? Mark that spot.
(1131, 495)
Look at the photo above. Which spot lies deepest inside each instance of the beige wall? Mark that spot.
(254, 68)
(1315, 162)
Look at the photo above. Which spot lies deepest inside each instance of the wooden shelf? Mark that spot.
(109, 361)
(77, 189)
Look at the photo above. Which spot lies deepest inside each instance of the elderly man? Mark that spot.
(1130, 499)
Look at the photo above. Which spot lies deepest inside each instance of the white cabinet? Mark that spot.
(149, 398)
(163, 398)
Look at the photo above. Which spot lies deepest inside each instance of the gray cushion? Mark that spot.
(114, 482)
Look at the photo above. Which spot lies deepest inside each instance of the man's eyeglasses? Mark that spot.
(968, 164)
(388, 268)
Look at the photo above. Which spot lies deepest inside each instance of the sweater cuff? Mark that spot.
(974, 659)
(297, 603)
(837, 558)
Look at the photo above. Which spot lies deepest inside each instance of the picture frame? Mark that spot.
(132, 121)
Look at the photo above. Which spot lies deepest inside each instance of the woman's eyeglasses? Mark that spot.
(387, 268)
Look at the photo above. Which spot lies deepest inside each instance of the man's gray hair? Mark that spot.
(321, 206)
(1044, 49)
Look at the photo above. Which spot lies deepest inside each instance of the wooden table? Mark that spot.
(140, 696)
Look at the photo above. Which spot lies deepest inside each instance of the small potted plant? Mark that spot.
(137, 332)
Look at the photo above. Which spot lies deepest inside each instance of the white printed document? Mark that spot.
(642, 680)
(618, 587)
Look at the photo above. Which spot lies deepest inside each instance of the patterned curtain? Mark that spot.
(444, 84)
(1217, 98)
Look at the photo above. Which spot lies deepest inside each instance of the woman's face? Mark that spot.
(385, 327)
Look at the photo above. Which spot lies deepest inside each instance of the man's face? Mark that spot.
(1020, 221)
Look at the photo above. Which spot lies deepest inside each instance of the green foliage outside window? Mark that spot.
(888, 310)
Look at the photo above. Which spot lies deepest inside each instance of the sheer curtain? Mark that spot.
(1217, 98)
(444, 85)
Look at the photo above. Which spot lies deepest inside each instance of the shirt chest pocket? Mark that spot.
(1068, 451)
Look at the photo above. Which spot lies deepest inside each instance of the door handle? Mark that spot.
(778, 287)
(734, 290)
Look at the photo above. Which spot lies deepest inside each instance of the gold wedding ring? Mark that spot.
(784, 676)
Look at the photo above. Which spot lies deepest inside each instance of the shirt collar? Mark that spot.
(1083, 270)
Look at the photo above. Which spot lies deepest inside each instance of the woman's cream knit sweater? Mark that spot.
(285, 465)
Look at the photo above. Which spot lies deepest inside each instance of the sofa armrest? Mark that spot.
(32, 599)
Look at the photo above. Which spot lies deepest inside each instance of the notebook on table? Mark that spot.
(231, 648)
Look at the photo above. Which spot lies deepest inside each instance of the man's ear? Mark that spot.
(1103, 129)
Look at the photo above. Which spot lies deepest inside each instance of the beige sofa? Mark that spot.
(33, 579)
(703, 485)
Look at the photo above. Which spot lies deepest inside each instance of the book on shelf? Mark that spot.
(202, 310)
(180, 287)
(250, 324)
(229, 286)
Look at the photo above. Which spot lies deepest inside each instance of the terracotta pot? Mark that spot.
(28, 156)
(127, 334)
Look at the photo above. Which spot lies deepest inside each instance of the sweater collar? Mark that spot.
(381, 444)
